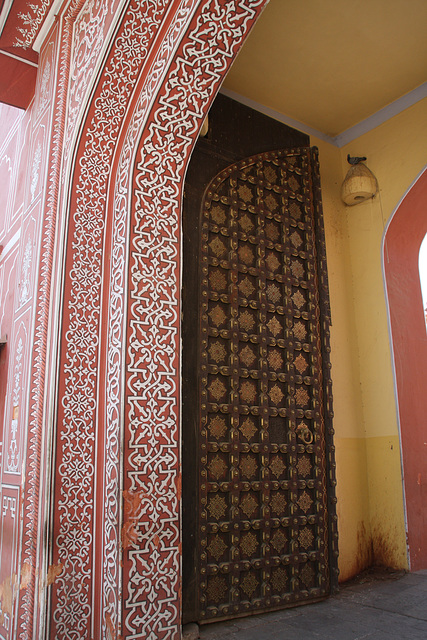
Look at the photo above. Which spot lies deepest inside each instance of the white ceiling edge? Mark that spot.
(24, 60)
(381, 116)
(359, 129)
(276, 115)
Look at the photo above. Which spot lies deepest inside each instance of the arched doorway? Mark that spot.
(402, 242)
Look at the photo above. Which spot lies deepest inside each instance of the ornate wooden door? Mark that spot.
(265, 535)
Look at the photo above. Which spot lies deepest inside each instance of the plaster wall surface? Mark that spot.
(396, 155)
(369, 475)
(352, 485)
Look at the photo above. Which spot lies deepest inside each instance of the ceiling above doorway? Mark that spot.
(331, 64)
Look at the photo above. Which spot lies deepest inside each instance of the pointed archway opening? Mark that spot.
(403, 238)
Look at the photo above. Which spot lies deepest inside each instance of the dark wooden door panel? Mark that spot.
(263, 520)
(259, 530)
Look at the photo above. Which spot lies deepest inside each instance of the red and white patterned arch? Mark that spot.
(116, 542)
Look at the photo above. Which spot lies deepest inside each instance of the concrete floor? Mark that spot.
(377, 606)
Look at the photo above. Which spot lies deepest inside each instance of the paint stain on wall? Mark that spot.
(53, 572)
(26, 573)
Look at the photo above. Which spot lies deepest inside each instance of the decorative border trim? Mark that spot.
(178, 52)
(152, 474)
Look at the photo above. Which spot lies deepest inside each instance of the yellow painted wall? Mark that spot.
(369, 485)
(352, 473)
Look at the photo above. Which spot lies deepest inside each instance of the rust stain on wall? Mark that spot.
(53, 572)
(134, 510)
(363, 557)
(129, 534)
(111, 631)
(385, 548)
(178, 484)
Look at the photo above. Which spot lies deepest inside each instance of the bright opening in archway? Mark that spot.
(422, 267)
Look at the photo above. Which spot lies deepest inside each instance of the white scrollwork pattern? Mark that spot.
(75, 543)
(31, 22)
(152, 495)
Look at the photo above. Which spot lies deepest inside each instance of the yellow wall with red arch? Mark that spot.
(371, 511)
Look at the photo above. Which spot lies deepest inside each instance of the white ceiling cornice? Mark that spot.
(375, 120)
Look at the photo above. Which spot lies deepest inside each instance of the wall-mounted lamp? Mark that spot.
(360, 184)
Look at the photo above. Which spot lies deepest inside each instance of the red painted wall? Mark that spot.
(401, 249)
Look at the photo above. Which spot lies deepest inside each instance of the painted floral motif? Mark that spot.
(216, 547)
(245, 193)
(24, 292)
(217, 507)
(246, 223)
(304, 502)
(218, 214)
(217, 389)
(246, 321)
(247, 356)
(248, 505)
(248, 466)
(246, 287)
(278, 503)
(249, 584)
(278, 541)
(35, 170)
(13, 455)
(274, 326)
(277, 466)
(248, 428)
(276, 394)
(248, 543)
(217, 588)
(218, 247)
(217, 427)
(31, 21)
(217, 315)
(300, 363)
